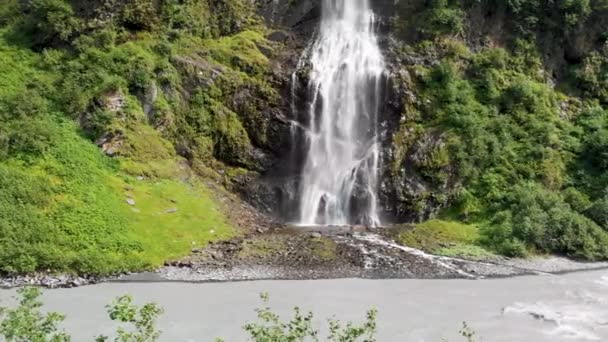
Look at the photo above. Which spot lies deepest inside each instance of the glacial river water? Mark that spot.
(571, 307)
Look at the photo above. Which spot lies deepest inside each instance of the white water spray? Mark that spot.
(340, 175)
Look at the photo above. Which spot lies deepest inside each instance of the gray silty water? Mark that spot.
(571, 307)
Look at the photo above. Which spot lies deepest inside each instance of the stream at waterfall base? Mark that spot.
(567, 307)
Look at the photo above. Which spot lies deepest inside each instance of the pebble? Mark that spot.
(46, 281)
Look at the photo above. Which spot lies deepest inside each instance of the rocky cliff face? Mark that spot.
(418, 180)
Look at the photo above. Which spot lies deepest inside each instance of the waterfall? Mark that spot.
(340, 174)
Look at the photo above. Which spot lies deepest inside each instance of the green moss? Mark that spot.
(240, 51)
(171, 217)
(436, 235)
(466, 251)
(17, 67)
(144, 152)
(323, 248)
(262, 247)
(63, 203)
(71, 185)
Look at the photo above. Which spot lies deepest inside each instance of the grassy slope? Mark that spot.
(445, 238)
(64, 207)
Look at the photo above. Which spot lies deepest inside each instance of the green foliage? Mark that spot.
(590, 168)
(541, 220)
(466, 251)
(435, 18)
(435, 234)
(69, 185)
(143, 320)
(598, 212)
(27, 323)
(574, 11)
(139, 14)
(116, 69)
(559, 16)
(443, 17)
(270, 327)
(528, 175)
(187, 17)
(445, 238)
(236, 16)
(592, 74)
(467, 332)
(52, 21)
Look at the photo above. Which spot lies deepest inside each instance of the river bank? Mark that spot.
(306, 253)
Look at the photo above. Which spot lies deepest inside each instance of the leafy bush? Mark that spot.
(592, 74)
(540, 220)
(52, 21)
(525, 173)
(139, 14)
(598, 212)
(143, 320)
(27, 323)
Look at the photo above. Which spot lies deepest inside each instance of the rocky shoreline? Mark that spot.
(306, 253)
(369, 254)
(48, 281)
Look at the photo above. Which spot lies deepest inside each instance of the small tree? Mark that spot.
(142, 318)
(351, 333)
(27, 324)
(270, 328)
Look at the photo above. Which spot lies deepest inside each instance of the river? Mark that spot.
(571, 307)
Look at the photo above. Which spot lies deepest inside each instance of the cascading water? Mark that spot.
(340, 175)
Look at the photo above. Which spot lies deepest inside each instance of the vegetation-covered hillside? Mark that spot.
(114, 115)
(506, 125)
(149, 82)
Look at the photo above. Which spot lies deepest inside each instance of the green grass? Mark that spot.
(432, 235)
(466, 251)
(323, 248)
(262, 247)
(67, 211)
(445, 238)
(171, 217)
(61, 213)
(240, 51)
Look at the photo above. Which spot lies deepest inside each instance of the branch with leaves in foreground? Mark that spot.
(27, 323)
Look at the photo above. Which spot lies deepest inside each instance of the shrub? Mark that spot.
(543, 222)
(140, 14)
(53, 21)
(28, 323)
(143, 320)
(598, 212)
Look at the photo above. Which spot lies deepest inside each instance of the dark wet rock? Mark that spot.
(278, 36)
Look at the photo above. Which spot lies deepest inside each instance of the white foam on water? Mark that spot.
(444, 262)
(581, 315)
(603, 281)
